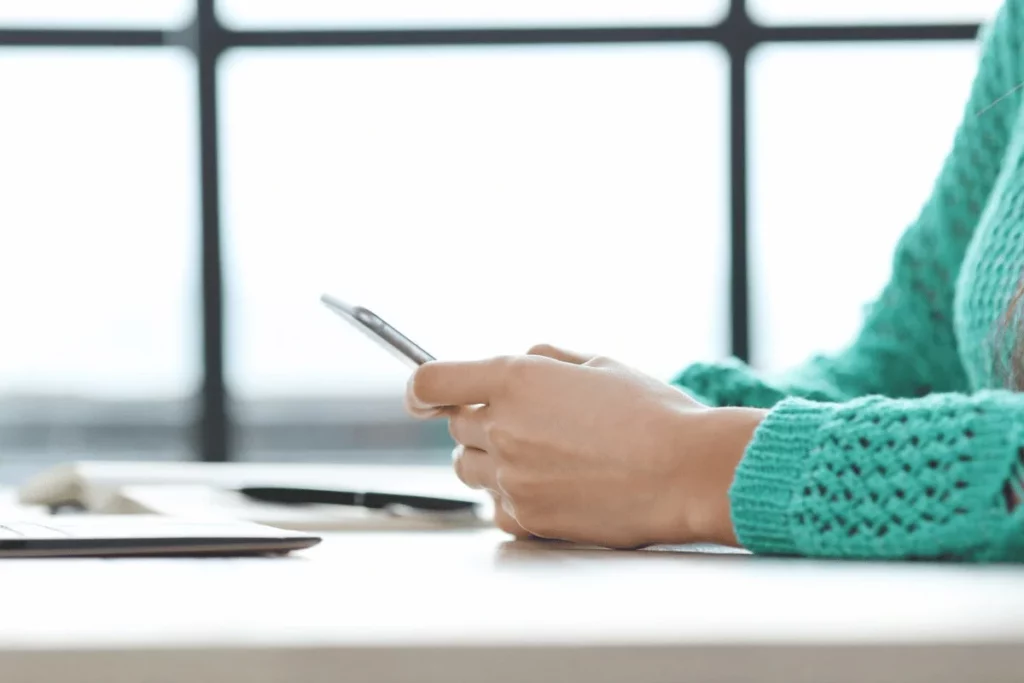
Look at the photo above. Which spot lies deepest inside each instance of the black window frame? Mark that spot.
(207, 39)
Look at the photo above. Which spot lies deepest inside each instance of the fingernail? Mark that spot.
(410, 396)
(418, 408)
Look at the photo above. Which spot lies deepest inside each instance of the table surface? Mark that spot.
(472, 604)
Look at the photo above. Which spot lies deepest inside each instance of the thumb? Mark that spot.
(560, 354)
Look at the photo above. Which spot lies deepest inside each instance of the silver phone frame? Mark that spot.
(377, 329)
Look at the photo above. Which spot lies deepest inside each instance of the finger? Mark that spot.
(418, 410)
(474, 468)
(468, 426)
(560, 354)
(423, 413)
(455, 383)
(504, 520)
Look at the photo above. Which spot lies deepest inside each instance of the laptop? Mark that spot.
(144, 535)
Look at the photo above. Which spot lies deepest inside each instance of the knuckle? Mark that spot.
(541, 350)
(465, 471)
(501, 439)
(459, 462)
(455, 426)
(516, 371)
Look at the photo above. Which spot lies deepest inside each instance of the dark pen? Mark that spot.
(289, 495)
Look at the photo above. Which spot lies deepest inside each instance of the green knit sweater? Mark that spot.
(906, 443)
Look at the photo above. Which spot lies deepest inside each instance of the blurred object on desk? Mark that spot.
(11, 508)
(210, 489)
(208, 502)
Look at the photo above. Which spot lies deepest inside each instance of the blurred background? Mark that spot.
(662, 181)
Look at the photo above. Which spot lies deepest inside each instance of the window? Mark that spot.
(871, 11)
(480, 199)
(600, 132)
(119, 14)
(97, 265)
(272, 14)
(838, 171)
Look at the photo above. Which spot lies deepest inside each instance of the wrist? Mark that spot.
(714, 443)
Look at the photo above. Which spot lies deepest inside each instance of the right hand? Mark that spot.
(502, 519)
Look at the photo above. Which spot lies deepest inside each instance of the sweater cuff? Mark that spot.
(769, 474)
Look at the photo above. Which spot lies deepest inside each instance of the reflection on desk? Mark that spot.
(473, 605)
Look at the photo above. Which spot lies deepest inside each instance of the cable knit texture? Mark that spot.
(906, 443)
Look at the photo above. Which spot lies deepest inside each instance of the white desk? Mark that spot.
(472, 606)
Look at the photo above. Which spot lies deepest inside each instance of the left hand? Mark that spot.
(585, 449)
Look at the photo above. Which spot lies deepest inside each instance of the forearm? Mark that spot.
(732, 383)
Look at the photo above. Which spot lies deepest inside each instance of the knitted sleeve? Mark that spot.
(906, 345)
(937, 477)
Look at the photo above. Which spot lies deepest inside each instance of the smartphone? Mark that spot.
(374, 327)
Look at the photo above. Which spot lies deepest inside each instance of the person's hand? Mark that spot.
(586, 449)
